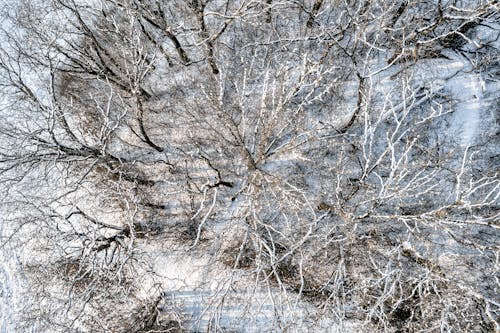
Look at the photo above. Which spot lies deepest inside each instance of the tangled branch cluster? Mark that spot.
(250, 165)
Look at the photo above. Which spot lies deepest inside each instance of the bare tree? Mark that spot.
(295, 154)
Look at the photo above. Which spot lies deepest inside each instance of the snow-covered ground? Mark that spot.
(472, 96)
(472, 99)
(10, 287)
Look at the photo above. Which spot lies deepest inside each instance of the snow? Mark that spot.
(470, 94)
(10, 286)
(467, 91)
(185, 278)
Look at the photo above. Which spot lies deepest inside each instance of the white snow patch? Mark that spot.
(467, 91)
(10, 288)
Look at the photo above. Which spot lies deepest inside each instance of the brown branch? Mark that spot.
(314, 13)
(361, 100)
(173, 38)
(145, 137)
(208, 41)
